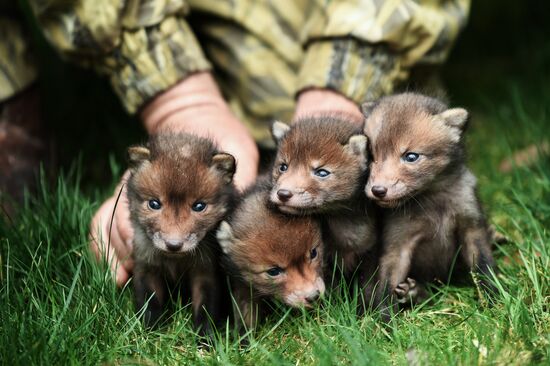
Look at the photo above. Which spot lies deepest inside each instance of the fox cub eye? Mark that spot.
(198, 206)
(411, 157)
(313, 254)
(283, 167)
(322, 173)
(275, 271)
(154, 204)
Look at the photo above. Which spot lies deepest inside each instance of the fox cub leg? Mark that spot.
(476, 253)
(395, 265)
(150, 291)
(205, 298)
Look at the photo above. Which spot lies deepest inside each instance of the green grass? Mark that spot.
(57, 306)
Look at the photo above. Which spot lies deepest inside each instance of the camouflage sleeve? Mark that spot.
(364, 48)
(144, 47)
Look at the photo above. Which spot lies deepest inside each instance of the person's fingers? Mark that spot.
(94, 247)
(110, 247)
(122, 251)
(245, 175)
(123, 223)
(97, 230)
(121, 275)
(122, 214)
(318, 102)
(242, 182)
(247, 157)
(119, 258)
(118, 269)
(124, 226)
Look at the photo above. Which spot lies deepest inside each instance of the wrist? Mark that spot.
(317, 102)
(193, 96)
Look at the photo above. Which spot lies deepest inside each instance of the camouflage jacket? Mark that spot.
(262, 52)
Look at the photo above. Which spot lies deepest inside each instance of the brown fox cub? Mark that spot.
(418, 174)
(180, 188)
(321, 168)
(270, 255)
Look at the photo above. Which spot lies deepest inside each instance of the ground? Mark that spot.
(58, 306)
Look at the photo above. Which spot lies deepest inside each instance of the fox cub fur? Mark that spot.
(419, 177)
(321, 169)
(270, 255)
(179, 189)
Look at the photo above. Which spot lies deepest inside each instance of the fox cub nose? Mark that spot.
(379, 191)
(173, 245)
(314, 297)
(284, 194)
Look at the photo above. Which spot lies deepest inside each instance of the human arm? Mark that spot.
(363, 50)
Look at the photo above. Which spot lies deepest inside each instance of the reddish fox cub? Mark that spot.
(321, 168)
(431, 210)
(179, 190)
(270, 255)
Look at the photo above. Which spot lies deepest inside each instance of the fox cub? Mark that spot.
(431, 209)
(321, 169)
(179, 190)
(269, 255)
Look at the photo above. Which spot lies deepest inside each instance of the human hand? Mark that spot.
(316, 102)
(111, 234)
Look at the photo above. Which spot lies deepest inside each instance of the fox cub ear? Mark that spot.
(367, 108)
(357, 146)
(455, 117)
(279, 130)
(225, 236)
(225, 165)
(137, 155)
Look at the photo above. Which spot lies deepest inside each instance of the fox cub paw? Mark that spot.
(407, 292)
